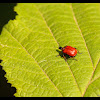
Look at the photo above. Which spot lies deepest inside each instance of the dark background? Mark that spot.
(6, 13)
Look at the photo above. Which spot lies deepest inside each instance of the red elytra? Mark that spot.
(69, 51)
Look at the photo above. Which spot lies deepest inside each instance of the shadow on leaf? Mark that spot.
(6, 13)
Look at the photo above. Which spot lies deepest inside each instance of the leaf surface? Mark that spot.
(29, 48)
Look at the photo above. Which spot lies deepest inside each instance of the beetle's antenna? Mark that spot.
(78, 51)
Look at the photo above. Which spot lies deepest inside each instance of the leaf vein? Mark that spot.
(34, 60)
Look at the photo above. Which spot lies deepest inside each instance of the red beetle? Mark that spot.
(70, 51)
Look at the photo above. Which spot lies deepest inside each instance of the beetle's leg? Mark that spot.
(73, 58)
(64, 57)
(78, 51)
(59, 54)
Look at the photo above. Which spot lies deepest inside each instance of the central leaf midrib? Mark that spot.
(58, 46)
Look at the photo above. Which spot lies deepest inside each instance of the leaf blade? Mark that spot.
(38, 32)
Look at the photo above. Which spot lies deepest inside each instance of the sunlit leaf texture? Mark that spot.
(29, 48)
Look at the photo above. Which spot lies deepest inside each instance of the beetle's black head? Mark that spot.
(60, 48)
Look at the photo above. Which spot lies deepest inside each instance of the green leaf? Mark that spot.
(29, 48)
